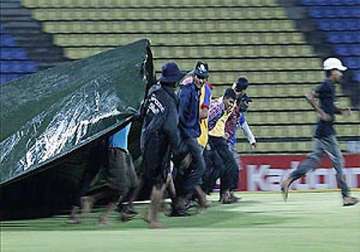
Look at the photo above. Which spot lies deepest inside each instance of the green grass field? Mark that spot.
(260, 222)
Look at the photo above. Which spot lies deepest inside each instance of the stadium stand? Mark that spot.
(14, 61)
(340, 20)
(25, 48)
(254, 38)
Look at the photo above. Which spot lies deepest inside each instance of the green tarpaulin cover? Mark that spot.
(53, 112)
(47, 116)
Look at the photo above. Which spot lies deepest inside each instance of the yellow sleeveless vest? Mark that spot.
(204, 128)
(219, 129)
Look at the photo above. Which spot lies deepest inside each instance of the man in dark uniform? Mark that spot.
(189, 124)
(325, 135)
(160, 136)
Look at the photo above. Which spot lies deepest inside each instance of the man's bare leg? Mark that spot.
(156, 198)
(74, 217)
(103, 220)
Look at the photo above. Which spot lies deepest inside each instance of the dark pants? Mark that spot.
(214, 169)
(321, 146)
(156, 160)
(188, 179)
(230, 174)
(211, 170)
(115, 179)
(133, 178)
(118, 172)
(97, 159)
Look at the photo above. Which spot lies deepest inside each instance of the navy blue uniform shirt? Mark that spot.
(189, 111)
(161, 119)
(326, 95)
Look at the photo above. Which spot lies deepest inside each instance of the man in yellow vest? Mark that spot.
(205, 98)
(219, 112)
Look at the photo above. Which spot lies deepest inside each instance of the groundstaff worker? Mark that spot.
(160, 137)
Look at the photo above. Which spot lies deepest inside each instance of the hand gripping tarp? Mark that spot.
(47, 116)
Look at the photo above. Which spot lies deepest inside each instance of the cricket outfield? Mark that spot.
(259, 222)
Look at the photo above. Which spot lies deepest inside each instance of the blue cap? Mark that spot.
(201, 70)
(170, 73)
(241, 84)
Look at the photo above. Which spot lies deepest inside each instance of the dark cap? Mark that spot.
(241, 84)
(230, 93)
(170, 73)
(201, 70)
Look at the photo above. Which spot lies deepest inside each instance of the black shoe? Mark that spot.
(179, 207)
(126, 208)
(130, 210)
(178, 213)
(124, 216)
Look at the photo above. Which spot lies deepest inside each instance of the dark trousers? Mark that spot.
(188, 179)
(156, 160)
(214, 170)
(115, 179)
(230, 174)
(116, 173)
(97, 159)
(132, 175)
(211, 171)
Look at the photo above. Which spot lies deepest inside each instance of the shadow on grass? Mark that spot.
(217, 216)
